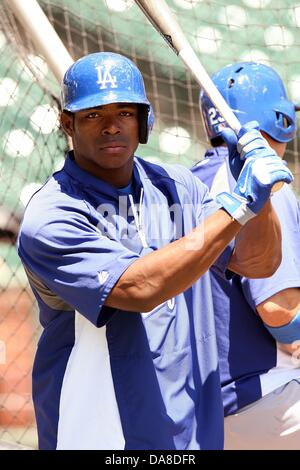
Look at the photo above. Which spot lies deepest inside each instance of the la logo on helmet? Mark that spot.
(105, 78)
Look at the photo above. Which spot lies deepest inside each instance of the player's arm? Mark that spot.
(281, 315)
(171, 270)
(257, 246)
(254, 243)
(167, 272)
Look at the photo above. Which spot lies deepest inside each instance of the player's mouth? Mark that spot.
(113, 147)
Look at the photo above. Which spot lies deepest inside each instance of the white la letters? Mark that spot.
(105, 78)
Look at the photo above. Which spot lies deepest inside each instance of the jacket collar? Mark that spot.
(88, 180)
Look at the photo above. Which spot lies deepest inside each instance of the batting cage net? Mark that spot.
(33, 146)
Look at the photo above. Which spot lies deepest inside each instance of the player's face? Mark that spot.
(279, 147)
(104, 138)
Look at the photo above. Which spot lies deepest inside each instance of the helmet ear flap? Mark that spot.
(146, 121)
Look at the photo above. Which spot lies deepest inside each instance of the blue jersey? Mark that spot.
(250, 363)
(105, 378)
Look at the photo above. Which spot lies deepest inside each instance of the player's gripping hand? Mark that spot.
(248, 143)
(254, 184)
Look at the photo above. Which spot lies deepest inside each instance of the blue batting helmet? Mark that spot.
(254, 92)
(105, 78)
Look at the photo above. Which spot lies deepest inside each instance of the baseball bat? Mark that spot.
(161, 17)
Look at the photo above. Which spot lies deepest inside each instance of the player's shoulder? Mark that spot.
(286, 195)
(54, 201)
(213, 159)
(286, 203)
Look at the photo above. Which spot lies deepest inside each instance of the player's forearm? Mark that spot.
(279, 310)
(258, 246)
(171, 270)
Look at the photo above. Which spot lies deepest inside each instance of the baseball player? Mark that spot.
(117, 252)
(257, 318)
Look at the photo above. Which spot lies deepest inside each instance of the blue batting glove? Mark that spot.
(254, 185)
(244, 145)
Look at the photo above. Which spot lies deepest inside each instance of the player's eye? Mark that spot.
(92, 115)
(126, 113)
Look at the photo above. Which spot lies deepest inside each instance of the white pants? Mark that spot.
(273, 422)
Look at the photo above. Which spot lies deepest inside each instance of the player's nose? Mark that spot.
(110, 126)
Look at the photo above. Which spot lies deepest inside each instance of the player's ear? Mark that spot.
(66, 121)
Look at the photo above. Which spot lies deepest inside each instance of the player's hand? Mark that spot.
(248, 143)
(254, 186)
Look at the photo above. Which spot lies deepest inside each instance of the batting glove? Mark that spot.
(255, 183)
(244, 145)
